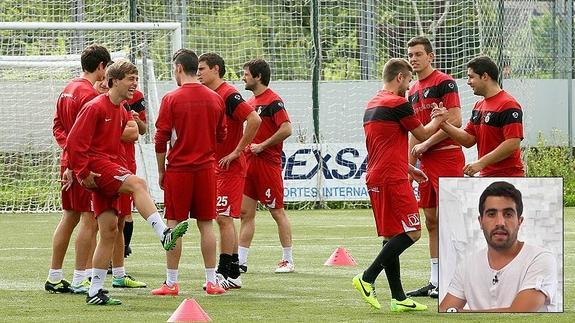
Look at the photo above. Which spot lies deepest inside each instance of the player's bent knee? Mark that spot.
(414, 235)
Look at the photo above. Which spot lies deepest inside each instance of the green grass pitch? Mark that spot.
(315, 293)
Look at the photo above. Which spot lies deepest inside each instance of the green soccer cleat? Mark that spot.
(101, 299)
(127, 282)
(406, 305)
(172, 235)
(81, 288)
(367, 290)
(62, 286)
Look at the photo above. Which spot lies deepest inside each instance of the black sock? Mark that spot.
(394, 279)
(224, 265)
(128, 229)
(235, 266)
(391, 249)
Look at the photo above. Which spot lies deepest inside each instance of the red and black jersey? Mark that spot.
(128, 154)
(96, 134)
(386, 121)
(74, 96)
(435, 88)
(494, 120)
(271, 109)
(237, 110)
(192, 120)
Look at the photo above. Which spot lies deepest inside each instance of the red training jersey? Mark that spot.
(128, 150)
(494, 120)
(386, 121)
(237, 110)
(96, 134)
(271, 109)
(192, 120)
(435, 88)
(70, 102)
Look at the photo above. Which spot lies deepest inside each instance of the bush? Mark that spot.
(553, 158)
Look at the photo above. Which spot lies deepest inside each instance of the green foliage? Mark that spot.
(553, 158)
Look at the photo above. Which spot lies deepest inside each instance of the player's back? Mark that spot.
(192, 120)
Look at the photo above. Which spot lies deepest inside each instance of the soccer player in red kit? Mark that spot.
(94, 145)
(76, 200)
(387, 120)
(264, 180)
(496, 124)
(191, 119)
(231, 167)
(439, 155)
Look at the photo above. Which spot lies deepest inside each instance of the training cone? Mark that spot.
(340, 257)
(189, 311)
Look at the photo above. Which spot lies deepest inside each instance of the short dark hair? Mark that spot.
(213, 59)
(484, 64)
(501, 189)
(119, 69)
(396, 66)
(421, 40)
(92, 56)
(188, 59)
(259, 67)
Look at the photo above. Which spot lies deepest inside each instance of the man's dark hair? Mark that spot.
(188, 59)
(259, 67)
(501, 189)
(421, 40)
(395, 66)
(213, 59)
(92, 56)
(484, 64)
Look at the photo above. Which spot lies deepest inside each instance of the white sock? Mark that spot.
(55, 275)
(288, 254)
(243, 255)
(171, 277)
(88, 272)
(157, 224)
(434, 278)
(79, 277)
(118, 272)
(211, 275)
(98, 277)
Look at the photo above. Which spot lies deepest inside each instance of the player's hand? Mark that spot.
(67, 179)
(417, 175)
(419, 149)
(89, 181)
(439, 111)
(473, 168)
(226, 161)
(135, 115)
(161, 180)
(256, 148)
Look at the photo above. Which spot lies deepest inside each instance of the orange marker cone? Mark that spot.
(189, 311)
(340, 257)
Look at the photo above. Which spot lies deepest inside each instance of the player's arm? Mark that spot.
(130, 133)
(450, 301)
(412, 143)
(461, 136)
(453, 117)
(164, 125)
(280, 135)
(59, 132)
(504, 150)
(422, 133)
(79, 142)
(142, 126)
(253, 122)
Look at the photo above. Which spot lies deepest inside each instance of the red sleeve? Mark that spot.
(59, 131)
(470, 129)
(164, 125)
(407, 117)
(513, 123)
(242, 111)
(80, 139)
(142, 116)
(280, 114)
(410, 122)
(221, 130)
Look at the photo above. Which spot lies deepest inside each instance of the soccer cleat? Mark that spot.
(172, 235)
(422, 292)
(214, 289)
(244, 268)
(127, 282)
(101, 299)
(366, 290)
(63, 286)
(233, 283)
(167, 290)
(285, 266)
(434, 293)
(406, 305)
(81, 288)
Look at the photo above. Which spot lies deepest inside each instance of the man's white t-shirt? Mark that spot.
(484, 288)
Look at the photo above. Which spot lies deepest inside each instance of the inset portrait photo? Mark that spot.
(500, 244)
